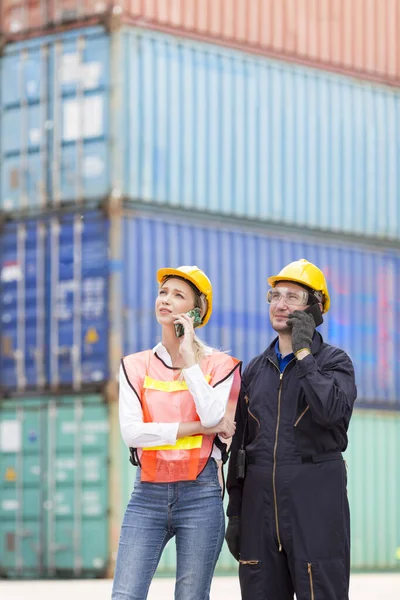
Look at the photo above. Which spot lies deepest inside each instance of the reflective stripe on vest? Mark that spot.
(167, 386)
(186, 443)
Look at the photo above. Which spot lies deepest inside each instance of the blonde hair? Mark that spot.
(201, 348)
(201, 303)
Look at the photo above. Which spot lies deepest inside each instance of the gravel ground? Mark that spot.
(363, 587)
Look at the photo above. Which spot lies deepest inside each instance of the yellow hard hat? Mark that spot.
(303, 272)
(195, 276)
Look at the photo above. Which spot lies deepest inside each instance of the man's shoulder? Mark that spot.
(254, 363)
(330, 352)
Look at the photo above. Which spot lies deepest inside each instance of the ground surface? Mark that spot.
(363, 587)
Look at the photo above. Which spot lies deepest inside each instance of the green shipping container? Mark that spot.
(374, 490)
(374, 494)
(54, 487)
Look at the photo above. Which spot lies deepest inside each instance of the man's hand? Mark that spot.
(303, 327)
(232, 536)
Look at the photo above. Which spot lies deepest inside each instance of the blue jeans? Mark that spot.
(192, 511)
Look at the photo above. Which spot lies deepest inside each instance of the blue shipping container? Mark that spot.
(69, 343)
(53, 303)
(167, 120)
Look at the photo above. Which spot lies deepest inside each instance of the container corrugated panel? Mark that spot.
(198, 127)
(358, 37)
(227, 133)
(364, 318)
(374, 496)
(54, 302)
(53, 487)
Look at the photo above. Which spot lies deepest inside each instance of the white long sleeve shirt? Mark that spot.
(210, 406)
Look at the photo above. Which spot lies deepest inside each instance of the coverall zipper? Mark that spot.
(311, 580)
(275, 448)
(274, 468)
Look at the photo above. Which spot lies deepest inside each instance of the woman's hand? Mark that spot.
(225, 428)
(186, 342)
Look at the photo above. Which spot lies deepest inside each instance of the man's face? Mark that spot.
(286, 298)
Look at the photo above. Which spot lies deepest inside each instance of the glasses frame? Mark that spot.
(308, 298)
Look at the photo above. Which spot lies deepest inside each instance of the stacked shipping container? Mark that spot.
(250, 162)
(211, 130)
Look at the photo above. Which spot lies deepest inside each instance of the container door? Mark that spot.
(54, 487)
(77, 287)
(22, 276)
(54, 120)
(25, 124)
(77, 499)
(22, 466)
(79, 67)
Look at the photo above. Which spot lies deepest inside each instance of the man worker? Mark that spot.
(289, 522)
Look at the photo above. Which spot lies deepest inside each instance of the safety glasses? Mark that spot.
(291, 297)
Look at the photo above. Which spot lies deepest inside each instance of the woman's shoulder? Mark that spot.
(222, 357)
(137, 356)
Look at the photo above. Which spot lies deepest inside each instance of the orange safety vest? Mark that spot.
(166, 399)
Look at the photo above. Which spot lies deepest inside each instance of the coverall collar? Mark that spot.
(270, 353)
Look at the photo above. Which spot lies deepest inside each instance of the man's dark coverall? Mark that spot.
(292, 503)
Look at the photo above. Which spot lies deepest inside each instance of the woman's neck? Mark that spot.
(171, 344)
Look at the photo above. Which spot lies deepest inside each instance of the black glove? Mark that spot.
(303, 327)
(232, 536)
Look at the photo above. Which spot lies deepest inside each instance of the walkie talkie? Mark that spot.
(241, 464)
(241, 458)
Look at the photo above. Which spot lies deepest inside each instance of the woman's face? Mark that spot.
(174, 297)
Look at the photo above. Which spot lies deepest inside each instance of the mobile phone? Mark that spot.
(195, 312)
(316, 313)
